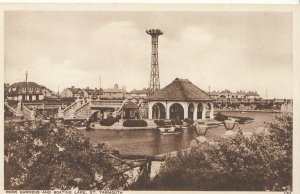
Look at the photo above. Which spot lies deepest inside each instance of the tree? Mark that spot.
(262, 161)
(46, 156)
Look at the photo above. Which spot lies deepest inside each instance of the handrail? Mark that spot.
(10, 108)
(29, 114)
(69, 107)
(82, 106)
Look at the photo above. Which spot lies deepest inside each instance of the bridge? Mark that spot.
(82, 110)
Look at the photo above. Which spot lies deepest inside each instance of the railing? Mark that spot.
(105, 103)
(70, 106)
(11, 109)
(82, 106)
(17, 112)
(28, 114)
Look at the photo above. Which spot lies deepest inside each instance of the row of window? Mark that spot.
(29, 89)
(24, 89)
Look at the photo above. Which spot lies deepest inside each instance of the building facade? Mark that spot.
(27, 91)
(72, 92)
(114, 93)
(144, 93)
(238, 96)
(93, 94)
(179, 100)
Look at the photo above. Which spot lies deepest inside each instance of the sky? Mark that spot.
(221, 50)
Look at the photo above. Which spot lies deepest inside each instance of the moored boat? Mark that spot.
(169, 130)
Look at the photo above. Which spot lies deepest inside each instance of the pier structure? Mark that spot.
(154, 75)
(179, 100)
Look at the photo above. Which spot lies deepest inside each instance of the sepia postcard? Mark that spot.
(116, 98)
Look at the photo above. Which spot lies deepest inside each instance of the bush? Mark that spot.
(48, 157)
(262, 161)
(135, 123)
(189, 121)
(177, 122)
(159, 122)
(241, 120)
(221, 117)
(108, 121)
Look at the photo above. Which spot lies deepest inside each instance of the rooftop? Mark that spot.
(94, 91)
(130, 105)
(74, 90)
(181, 90)
(20, 85)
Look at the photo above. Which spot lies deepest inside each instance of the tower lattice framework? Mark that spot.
(154, 75)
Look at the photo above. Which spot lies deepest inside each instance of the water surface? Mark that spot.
(151, 142)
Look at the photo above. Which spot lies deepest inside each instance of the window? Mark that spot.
(14, 89)
(30, 89)
(23, 89)
(37, 89)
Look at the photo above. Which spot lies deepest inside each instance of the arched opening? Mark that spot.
(191, 110)
(176, 111)
(199, 111)
(208, 110)
(158, 111)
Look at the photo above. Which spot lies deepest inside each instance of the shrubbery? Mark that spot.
(189, 121)
(262, 161)
(176, 122)
(109, 121)
(241, 120)
(220, 117)
(135, 123)
(164, 122)
(47, 157)
(159, 122)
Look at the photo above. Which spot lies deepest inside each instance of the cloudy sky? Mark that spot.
(223, 50)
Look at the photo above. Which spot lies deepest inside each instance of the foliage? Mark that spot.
(262, 161)
(135, 123)
(165, 122)
(176, 122)
(189, 121)
(44, 156)
(241, 120)
(159, 122)
(109, 121)
(220, 117)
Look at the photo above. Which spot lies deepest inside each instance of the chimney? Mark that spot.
(116, 86)
(73, 87)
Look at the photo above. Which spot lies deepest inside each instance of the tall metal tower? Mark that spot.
(154, 75)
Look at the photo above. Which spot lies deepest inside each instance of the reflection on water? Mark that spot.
(151, 142)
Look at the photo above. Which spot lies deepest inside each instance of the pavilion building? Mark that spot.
(179, 100)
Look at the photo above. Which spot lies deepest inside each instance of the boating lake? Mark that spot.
(151, 142)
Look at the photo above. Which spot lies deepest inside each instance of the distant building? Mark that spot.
(72, 92)
(114, 93)
(48, 92)
(238, 96)
(144, 93)
(215, 94)
(226, 95)
(27, 91)
(252, 96)
(92, 93)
